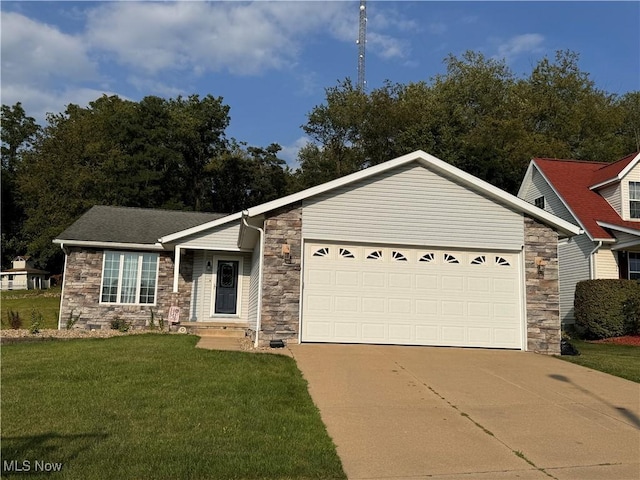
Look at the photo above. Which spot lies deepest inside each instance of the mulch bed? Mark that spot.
(626, 340)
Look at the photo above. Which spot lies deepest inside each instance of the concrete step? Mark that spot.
(218, 330)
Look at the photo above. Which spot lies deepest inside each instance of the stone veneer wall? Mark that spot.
(543, 298)
(281, 275)
(81, 296)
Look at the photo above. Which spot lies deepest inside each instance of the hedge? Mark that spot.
(607, 308)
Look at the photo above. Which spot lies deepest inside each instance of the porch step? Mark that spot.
(215, 329)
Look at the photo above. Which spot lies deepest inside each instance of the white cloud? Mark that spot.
(526, 43)
(34, 52)
(289, 153)
(244, 39)
(388, 47)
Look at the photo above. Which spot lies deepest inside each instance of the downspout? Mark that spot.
(592, 272)
(260, 266)
(64, 280)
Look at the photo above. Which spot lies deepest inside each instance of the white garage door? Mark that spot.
(411, 296)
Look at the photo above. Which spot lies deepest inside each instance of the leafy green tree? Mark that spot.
(17, 133)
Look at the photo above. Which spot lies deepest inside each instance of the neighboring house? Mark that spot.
(412, 251)
(604, 200)
(23, 276)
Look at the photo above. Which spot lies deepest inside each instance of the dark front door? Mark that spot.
(227, 287)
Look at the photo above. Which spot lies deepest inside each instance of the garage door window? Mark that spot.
(448, 258)
(346, 253)
(502, 262)
(322, 252)
(427, 257)
(399, 257)
(481, 260)
(375, 255)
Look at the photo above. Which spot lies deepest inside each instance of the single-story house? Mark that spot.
(23, 275)
(604, 200)
(413, 251)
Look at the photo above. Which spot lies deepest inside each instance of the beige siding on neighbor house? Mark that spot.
(538, 187)
(632, 176)
(613, 195)
(606, 264)
(223, 237)
(573, 257)
(203, 283)
(412, 205)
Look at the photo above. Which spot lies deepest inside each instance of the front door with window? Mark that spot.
(226, 287)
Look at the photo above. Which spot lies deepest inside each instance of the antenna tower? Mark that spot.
(362, 41)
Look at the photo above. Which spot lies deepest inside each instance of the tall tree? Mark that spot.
(17, 133)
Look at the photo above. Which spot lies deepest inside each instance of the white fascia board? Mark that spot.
(199, 228)
(121, 245)
(619, 177)
(503, 197)
(338, 182)
(619, 228)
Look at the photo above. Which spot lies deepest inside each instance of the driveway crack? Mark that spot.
(517, 453)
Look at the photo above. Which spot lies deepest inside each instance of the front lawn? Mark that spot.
(154, 407)
(29, 303)
(619, 360)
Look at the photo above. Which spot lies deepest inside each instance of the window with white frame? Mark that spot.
(129, 277)
(634, 199)
(539, 202)
(634, 266)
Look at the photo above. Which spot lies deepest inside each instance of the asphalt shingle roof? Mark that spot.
(572, 179)
(133, 225)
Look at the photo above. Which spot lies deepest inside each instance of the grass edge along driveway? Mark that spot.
(620, 360)
(153, 406)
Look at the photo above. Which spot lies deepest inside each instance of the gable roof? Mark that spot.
(614, 172)
(126, 225)
(573, 182)
(437, 165)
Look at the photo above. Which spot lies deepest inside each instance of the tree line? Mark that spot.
(174, 153)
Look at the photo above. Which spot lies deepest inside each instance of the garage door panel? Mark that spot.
(412, 296)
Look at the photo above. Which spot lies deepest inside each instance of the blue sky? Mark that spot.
(272, 60)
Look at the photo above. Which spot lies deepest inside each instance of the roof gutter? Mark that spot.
(260, 231)
(592, 266)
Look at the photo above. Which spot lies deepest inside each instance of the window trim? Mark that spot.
(121, 254)
(632, 201)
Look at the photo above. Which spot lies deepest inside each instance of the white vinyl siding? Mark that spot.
(223, 237)
(252, 316)
(613, 195)
(606, 264)
(573, 258)
(538, 187)
(412, 205)
(202, 290)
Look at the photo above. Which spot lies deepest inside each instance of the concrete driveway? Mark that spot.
(448, 413)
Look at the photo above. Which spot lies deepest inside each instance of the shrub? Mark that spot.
(15, 321)
(121, 325)
(36, 321)
(72, 320)
(607, 308)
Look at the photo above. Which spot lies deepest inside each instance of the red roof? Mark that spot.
(572, 180)
(611, 171)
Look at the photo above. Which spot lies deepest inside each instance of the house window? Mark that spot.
(481, 260)
(634, 199)
(448, 258)
(427, 257)
(634, 266)
(129, 278)
(399, 257)
(322, 252)
(375, 255)
(539, 202)
(346, 253)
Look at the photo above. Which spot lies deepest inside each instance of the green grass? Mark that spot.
(45, 302)
(154, 407)
(619, 360)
